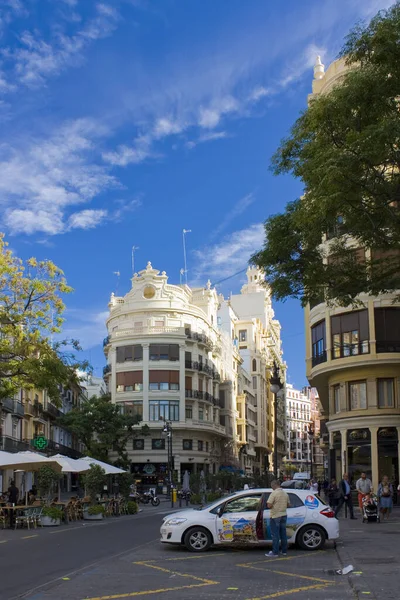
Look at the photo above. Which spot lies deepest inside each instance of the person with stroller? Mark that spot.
(385, 495)
(363, 487)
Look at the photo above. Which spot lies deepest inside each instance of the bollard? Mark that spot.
(173, 497)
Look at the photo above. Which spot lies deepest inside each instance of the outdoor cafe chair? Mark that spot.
(25, 519)
(36, 516)
(3, 518)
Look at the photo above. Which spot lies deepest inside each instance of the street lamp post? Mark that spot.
(275, 386)
(311, 437)
(167, 431)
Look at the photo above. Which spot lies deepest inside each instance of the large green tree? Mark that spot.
(345, 148)
(31, 309)
(102, 427)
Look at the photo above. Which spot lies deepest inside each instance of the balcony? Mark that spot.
(106, 341)
(19, 409)
(8, 405)
(347, 350)
(142, 331)
(106, 370)
(191, 365)
(14, 445)
(387, 347)
(64, 450)
(53, 411)
(28, 409)
(319, 359)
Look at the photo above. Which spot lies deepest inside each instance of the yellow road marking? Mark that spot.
(192, 557)
(27, 537)
(271, 560)
(292, 591)
(328, 581)
(144, 563)
(148, 592)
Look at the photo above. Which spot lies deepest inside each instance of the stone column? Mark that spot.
(146, 382)
(344, 455)
(398, 450)
(374, 457)
(182, 372)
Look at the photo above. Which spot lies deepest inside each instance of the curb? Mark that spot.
(357, 582)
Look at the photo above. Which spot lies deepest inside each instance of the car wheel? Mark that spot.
(197, 539)
(311, 538)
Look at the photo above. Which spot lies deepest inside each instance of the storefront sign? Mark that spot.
(149, 469)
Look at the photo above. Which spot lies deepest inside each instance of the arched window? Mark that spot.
(254, 365)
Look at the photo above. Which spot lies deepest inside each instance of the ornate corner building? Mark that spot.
(353, 359)
(174, 356)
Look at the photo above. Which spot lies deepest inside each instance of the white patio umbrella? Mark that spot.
(71, 465)
(109, 469)
(26, 461)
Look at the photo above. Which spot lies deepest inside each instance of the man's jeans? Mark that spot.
(278, 532)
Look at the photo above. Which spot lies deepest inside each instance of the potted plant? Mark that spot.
(47, 479)
(95, 512)
(95, 480)
(51, 516)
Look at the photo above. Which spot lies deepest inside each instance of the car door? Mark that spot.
(296, 515)
(236, 519)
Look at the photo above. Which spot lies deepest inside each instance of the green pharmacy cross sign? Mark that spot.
(40, 442)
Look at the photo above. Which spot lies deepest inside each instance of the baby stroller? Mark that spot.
(370, 510)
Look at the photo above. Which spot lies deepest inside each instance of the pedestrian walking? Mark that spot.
(345, 496)
(385, 495)
(278, 503)
(363, 487)
(333, 493)
(313, 486)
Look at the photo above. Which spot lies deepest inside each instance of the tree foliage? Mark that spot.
(345, 149)
(31, 311)
(101, 426)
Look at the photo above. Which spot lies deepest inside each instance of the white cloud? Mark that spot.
(228, 256)
(86, 219)
(37, 59)
(238, 209)
(259, 92)
(89, 327)
(207, 137)
(41, 179)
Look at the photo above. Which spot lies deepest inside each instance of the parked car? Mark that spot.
(238, 519)
(295, 484)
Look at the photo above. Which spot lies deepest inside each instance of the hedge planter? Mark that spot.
(88, 517)
(49, 522)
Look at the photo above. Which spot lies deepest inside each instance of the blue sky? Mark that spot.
(124, 121)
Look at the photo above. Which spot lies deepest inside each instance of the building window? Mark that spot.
(254, 365)
(358, 395)
(138, 444)
(385, 393)
(201, 413)
(350, 334)
(336, 398)
(200, 445)
(163, 380)
(387, 329)
(187, 444)
(164, 352)
(130, 381)
(207, 446)
(243, 335)
(133, 409)
(158, 444)
(125, 353)
(254, 380)
(189, 412)
(164, 410)
(318, 343)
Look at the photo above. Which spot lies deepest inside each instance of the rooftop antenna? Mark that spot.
(184, 232)
(133, 258)
(118, 274)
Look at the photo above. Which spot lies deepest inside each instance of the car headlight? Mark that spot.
(175, 521)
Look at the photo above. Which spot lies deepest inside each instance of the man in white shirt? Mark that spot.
(363, 487)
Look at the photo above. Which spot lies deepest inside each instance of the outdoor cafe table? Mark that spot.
(10, 508)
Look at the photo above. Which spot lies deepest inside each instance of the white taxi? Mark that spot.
(244, 518)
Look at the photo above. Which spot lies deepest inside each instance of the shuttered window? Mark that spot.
(132, 352)
(163, 380)
(130, 381)
(164, 352)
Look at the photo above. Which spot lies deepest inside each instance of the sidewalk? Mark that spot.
(374, 551)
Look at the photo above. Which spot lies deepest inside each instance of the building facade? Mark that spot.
(164, 365)
(249, 320)
(353, 359)
(298, 421)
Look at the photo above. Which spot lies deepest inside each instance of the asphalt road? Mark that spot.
(122, 558)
